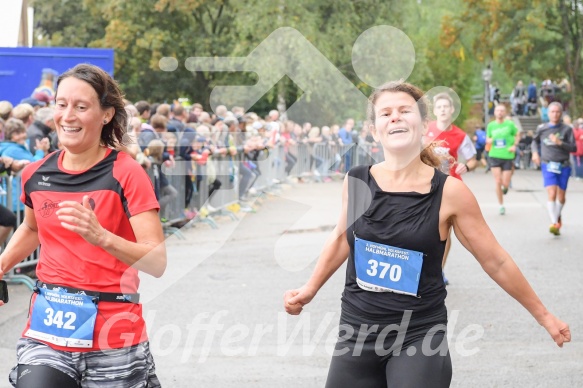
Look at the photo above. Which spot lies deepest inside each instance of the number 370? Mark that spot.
(394, 270)
(57, 319)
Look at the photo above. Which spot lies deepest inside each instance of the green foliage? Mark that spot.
(438, 64)
(537, 39)
(453, 40)
(72, 23)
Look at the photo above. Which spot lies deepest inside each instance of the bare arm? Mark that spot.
(22, 243)
(472, 163)
(535, 146)
(334, 253)
(460, 206)
(516, 141)
(147, 254)
(468, 151)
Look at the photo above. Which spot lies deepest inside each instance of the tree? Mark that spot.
(571, 22)
(438, 62)
(142, 32)
(70, 23)
(537, 39)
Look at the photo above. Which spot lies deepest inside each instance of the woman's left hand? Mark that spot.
(81, 219)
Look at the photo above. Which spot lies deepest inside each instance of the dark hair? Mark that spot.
(428, 154)
(109, 95)
(142, 106)
(192, 118)
(154, 108)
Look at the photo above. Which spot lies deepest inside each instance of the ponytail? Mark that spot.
(432, 158)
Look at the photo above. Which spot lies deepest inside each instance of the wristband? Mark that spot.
(467, 168)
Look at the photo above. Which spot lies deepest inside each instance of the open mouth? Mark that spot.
(71, 129)
(398, 130)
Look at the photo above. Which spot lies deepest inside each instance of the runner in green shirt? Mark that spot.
(503, 137)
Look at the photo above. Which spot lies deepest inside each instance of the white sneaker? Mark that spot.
(247, 209)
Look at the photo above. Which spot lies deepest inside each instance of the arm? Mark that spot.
(488, 135)
(22, 243)
(468, 152)
(461, 208)
(147, 254)
(471, 164)
(334, 253)
(516, 141)
(535, 146)
(568, 143)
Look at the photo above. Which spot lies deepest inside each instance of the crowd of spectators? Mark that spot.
(160, 135)
(533, 100)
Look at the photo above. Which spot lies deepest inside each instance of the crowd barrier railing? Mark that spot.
(192, 183)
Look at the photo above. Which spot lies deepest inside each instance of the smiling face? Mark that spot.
(397, 123)
(79, 117)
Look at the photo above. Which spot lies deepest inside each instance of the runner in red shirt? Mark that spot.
(453, 141)
(95, 215)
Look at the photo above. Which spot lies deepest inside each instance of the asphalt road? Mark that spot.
(216, 318)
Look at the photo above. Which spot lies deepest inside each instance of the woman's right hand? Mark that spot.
(295, 300)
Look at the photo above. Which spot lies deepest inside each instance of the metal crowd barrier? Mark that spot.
(192, 182)
(324, 159)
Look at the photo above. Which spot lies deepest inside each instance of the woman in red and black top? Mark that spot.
(94, 213)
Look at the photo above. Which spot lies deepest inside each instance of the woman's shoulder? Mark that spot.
(454, 189)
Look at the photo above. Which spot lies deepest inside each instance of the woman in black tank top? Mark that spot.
(393, 228)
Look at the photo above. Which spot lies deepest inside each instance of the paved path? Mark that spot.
(216, 319)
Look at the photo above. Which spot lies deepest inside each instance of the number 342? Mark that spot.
(56, 319)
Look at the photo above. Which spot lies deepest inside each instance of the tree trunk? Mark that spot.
(573, 105)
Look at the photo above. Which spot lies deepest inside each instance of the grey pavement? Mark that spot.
(216, 319)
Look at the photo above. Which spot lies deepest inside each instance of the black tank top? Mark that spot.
(407, 220)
